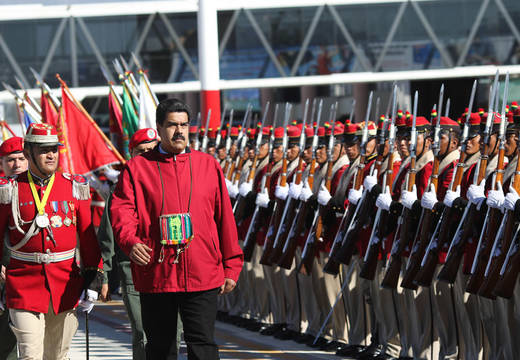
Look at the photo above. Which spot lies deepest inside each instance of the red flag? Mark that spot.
(49, 112)
(88, 148)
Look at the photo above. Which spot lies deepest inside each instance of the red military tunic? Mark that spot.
(212, 255)
(30, 286)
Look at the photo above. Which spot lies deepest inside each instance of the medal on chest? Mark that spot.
(65, 208)
(56, 221)
(41, 219)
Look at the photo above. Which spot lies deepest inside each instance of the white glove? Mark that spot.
(429, 198)
(409, 197)
(245, 188)
(384, 200)
(281, 192)
(233, 190)
(323, 195)
(451, 196)
(306, 192)
(476, 193)
(86, 302)
(228, 183)
(354, 195)
(496, 197)
(511, 199)
(295, 190)
(262, 198)
(370, 181)
(111, 174)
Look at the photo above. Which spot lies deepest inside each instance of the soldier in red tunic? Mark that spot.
(44, 211)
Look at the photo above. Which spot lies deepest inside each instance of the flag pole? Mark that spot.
(93, 123)
(6, 125)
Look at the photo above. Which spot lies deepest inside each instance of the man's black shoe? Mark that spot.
(370, 352)
(256, 326)
(331, 346)
(304, 338)
(318, 343)
(271, 329)
(286, 334)
(350, 350)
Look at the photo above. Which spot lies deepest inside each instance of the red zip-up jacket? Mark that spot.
(212, 255)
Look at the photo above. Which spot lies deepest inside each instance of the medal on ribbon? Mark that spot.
(56, 221)
(65, 208)
(41, 219)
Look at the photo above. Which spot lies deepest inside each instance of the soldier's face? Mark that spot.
(222, 153)
(14, 164)
(233, 150)
(473, 145)
(277, 153)
(371, 147)
(44, 161)
(492, 145)
(174, 132)
(353, 151)
(402, 146)
(142, 148)
(307, 155)
(264, 149)
(321, 154)
(292, 152)
(511, 144)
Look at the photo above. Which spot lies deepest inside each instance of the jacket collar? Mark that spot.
(158, 154)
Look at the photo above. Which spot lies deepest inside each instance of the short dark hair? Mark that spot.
(168, 106)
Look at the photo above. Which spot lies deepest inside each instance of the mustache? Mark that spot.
(178, 137)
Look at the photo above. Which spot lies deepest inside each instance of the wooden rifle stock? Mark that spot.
(393, 270)
(425, 275)
(369, 267)
(241, 205)
(483, 253)
(316, 235)
(297, 227)
(498, 257)
(283, 229)
(507, 280)
(332, 265)
(274, 222)
(347, 246)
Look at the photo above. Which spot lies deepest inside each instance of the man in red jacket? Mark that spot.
(172, 215)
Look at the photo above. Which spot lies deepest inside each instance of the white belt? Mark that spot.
(43, 258)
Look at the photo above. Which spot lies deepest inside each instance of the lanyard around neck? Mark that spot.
(40, 205)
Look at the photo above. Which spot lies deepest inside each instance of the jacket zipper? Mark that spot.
(185, 267)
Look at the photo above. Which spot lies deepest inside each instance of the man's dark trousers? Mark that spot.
(198, 311)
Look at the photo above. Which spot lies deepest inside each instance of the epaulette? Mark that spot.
(6, 190)
(80, 187)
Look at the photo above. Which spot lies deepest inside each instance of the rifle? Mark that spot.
(278, 207)
(404, 225)
(241, 203)
(493, 270)
(493, 215)
(290, 205)
(316, 232)
(259, 214)
(204, 148)
(430, 260)
(241, 141)
(369, 266)
(298, 224)
(218, 139)
(229, 159)
(510, 269)
(341, 250)
(427, 215)
(464, 230)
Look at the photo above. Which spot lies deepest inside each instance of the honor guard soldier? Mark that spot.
(13, 163)
(44, 211)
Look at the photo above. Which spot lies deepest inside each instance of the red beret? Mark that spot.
(309, 131)
(11, 145)
(142, 136)
(234, 132)
(294, 131)
(278, 132)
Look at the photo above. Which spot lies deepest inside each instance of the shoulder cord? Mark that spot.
(162, 185)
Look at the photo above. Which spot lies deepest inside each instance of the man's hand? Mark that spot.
(104, 295)
(140, 254)
(227, 287)
(2, 274)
